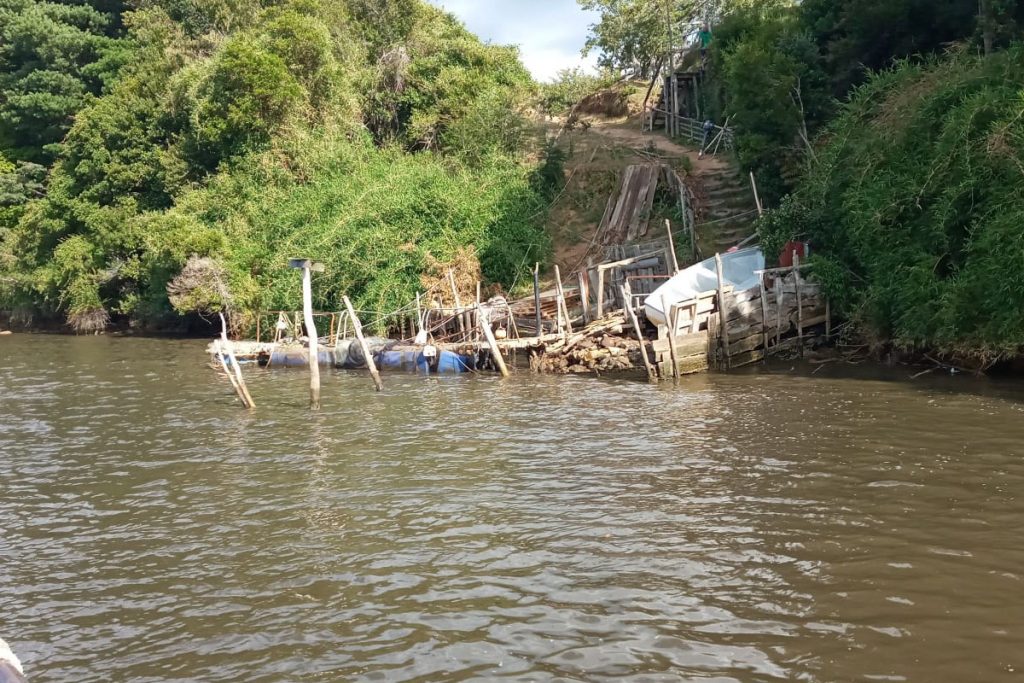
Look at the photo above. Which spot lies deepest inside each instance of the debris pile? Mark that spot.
(599, 347)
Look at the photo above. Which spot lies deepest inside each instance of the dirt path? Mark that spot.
(626, 132)
(597, 155)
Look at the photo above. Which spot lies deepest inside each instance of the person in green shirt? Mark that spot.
(704, 40)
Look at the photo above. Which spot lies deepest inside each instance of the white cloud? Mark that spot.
(549, 33)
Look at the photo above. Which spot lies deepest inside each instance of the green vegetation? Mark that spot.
(375, 136)
(889, 133)
(916, 206)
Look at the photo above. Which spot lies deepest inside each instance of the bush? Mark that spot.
(917, 198)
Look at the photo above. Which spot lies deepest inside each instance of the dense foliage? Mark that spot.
(889, 133)
(916, 205)
(373, 135)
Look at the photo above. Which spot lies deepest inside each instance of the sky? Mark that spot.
(549, 33)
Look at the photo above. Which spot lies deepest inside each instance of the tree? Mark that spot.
(53, 59)
(633, 35)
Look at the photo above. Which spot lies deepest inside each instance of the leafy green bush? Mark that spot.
(917, 201)
(236, 137)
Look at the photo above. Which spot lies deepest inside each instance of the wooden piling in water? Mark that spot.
(723, 310)
(670, 322)
(358, 328)
(651, 375)
(485, 327)
(237, 381)
(764, 312)
(799, 304)
(314, 345)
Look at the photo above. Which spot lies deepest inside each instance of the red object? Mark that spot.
(789, 251)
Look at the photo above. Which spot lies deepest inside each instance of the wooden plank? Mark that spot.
(686, 344)
(745, 345)
(690, 365)
(748, 358)
(648, 204)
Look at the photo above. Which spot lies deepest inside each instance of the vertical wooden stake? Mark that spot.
(314, 345)
(358, 328)
(757, 198)
(764, 313)
(536, 300)
(458, 303)
(600, 292)
(584, 295)
(563, 308)
(419, 314)
(485, 326)
(780, 283)
(640, 338)
(828, 319)
(670, 323)
(672, 246)
(799, 304)
(723, 309)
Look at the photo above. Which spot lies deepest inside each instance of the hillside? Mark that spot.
(915, 207)
(379, 137)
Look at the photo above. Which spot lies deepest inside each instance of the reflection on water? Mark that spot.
(752, 527)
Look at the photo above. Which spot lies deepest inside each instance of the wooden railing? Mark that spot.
(690, 129)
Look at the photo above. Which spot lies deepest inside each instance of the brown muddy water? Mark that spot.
(763, 526)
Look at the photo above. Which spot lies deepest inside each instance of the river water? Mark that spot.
(765, 526)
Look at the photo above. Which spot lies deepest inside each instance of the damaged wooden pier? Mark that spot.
(630, 316)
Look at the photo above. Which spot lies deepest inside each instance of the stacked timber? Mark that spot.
(600, 347)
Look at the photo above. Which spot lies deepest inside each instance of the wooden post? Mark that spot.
(828, 319)
(757, 198)
(458, 303)
(670, 323)
(358, 328)
(668, 106)
(778, 310)
(764, 313)
(651, 374)
(584, 295)
(561, 300)
(536, 300)
(799, 304)
(237, 381)
(723, 309)
(600, 292)
(419, 314)
(314, 342)
(672, 245)
(485, 326)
